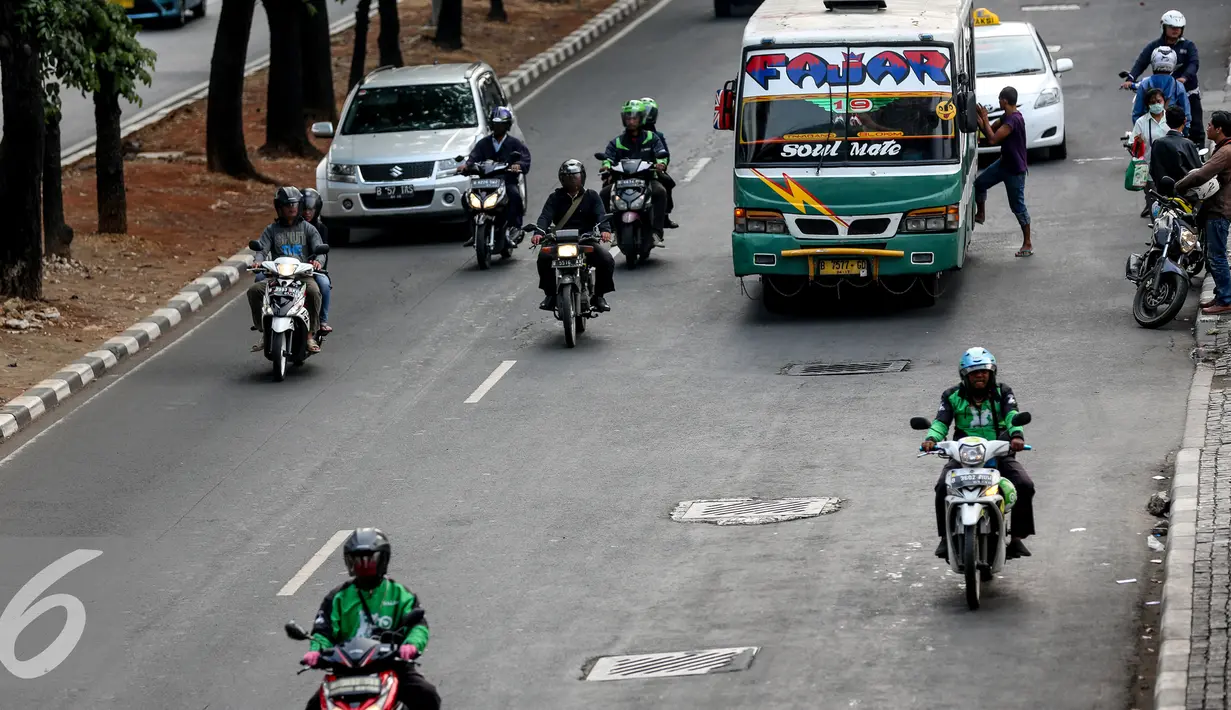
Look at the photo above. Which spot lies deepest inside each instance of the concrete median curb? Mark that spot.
(32, 404)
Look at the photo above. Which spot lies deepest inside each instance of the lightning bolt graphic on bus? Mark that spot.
(798, 197)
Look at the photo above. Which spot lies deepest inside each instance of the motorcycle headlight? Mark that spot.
(493, 199)
(619, 203)
(285, 269)
(1188, 240)
(971, 455)
(473, 199)
(567, 251)
(1048, 97)
(637, 203)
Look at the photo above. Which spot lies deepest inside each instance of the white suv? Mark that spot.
(392, 158)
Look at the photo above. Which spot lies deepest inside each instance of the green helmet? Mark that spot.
(651, 111)
(634, 107)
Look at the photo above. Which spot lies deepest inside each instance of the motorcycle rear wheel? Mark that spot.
(1175, 290)
(564, 301)
(970, 565)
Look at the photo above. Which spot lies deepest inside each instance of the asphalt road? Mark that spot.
(535, 523)
(183, 61)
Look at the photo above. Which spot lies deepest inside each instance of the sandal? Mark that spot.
(1024, 252)
(313, 346)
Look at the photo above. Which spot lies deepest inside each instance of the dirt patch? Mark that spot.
(183, 220)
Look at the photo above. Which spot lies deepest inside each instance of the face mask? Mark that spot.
(1156, 109)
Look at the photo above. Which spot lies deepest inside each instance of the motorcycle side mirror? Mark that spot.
(254, 245)
(1203, 152)
(321, 249)
(1123, 75)
(295, 631)
(662, 155)
(413, 618)
(459, 159)
(1021, 419)
(1167, 185)
(920, 424)
(516, 156)
(600, 156)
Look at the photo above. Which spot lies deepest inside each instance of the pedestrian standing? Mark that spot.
(1216, 210)
(1009, 132)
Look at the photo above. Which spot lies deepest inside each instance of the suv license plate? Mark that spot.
(394, 191)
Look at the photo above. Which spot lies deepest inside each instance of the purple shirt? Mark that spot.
(1013, 149)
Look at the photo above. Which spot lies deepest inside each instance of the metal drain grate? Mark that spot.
(668, 665)
(752, 511)
(815, 369)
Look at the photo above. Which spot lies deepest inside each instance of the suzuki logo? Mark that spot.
(396, 171)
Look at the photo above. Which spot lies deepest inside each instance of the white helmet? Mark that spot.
(1173, 18)
(1162, 61)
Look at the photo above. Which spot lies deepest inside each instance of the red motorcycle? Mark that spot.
(359, 674)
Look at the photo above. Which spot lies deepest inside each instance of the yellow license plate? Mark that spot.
(842, 267)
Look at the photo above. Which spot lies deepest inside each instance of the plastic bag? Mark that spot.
(1136, 175)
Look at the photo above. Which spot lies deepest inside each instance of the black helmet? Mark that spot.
(366, 553)
(287, 196)
(311, 200)
(572, 167)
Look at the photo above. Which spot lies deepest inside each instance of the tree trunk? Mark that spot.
(449, 31)
(390, 39)
(21, 157)
(360, 53)
(225, 148)
(109, 158)
(57, 235)
(497, 13)
(285, 129)
(318, 64)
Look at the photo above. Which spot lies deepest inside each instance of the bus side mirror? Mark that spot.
(724, 107)
(967, 112)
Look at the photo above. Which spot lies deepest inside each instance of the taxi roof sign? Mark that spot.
(984, 17)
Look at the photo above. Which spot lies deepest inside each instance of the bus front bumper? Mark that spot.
(902, 255)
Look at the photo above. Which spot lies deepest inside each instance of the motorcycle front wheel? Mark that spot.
(628, 245)
(1154, 308)
(970, 565)
(277, 346)
(564, 301)
(481, 252)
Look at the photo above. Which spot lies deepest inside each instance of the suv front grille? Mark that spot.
(421, 198)
(395, 172)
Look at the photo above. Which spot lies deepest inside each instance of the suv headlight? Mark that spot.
(341, 172)
(1048, 97)
(446, 168)
(971, 455)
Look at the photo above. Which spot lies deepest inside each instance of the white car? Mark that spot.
(1013, 54)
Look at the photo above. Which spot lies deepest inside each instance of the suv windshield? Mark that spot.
(844, 106)
(427, 107)
(1007, 56)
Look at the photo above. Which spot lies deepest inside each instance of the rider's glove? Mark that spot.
(311, 658)
(407, 652)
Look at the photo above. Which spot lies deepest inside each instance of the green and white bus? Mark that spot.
(856, 144)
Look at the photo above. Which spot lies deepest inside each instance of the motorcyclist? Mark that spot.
(1162, 61)
(571, 206)
(651, 124)
(367, 605)
(1185, 70)
(980, 406)
(288, 235)
(500, 146)
(636, 142)
(310, 212)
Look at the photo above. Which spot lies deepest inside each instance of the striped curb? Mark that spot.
(34, 402)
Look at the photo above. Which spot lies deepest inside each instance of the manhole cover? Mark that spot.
(667, 665)
(752, 511)
(817, 369)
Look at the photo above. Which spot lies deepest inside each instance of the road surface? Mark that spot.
(535, 523)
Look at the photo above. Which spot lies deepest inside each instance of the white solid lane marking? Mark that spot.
(610, 41)
(313, 564)
(696, 169)
(490, 382)
(1097, 160)
(1049, 8)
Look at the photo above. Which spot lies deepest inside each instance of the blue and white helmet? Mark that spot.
(976, 359)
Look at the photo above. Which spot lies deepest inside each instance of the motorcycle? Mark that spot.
(284, 311)
(977, 515)
(574, 279)
(359, 673)
(486, 200)
(630, 203)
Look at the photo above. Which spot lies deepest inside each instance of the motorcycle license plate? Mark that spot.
(487, 183)
(288, 290)
(357, 685)
(392, 192)
(962, 479)
(629, 183)
(842, 267)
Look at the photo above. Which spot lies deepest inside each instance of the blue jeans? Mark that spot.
(1216, 236)
(1014, 185)
(322, 281)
